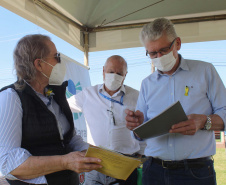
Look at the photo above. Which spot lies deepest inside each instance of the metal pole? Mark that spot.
(86, 48)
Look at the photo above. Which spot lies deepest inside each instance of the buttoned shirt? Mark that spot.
(206, 95)
(11, 153)
(105, 118)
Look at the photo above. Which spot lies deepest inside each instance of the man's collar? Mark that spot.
(182, 66)
(122, 89)
(38, 93)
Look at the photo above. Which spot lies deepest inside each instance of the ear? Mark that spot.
(37, 64)
(103, 74)
(178, 43)
(124, 78)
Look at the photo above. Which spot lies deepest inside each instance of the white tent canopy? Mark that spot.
(96, 25)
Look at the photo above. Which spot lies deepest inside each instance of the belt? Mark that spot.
(190, 163)
(132, 155)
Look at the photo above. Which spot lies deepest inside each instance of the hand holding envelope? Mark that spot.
(114, 164)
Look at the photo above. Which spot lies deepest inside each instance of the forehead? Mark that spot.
(158, 44)
(52, 47)
(115, 64)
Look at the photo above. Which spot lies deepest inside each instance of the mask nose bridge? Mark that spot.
(159, 54)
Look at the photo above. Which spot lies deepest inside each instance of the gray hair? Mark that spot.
(154, 30)
(119, 58)
(28, 49)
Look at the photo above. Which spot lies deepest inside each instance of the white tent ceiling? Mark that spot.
(95, 25)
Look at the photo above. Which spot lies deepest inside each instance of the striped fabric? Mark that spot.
(11, 153)
(3, 181)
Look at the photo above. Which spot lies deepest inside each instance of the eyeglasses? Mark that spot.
(162, 51)
(112, 115)
(57, 57)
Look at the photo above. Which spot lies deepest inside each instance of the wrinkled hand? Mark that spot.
(76, 161)
(133, 119)
(194, 123)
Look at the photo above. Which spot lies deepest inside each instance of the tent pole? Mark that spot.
(86, 48)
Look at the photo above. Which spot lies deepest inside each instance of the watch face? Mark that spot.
(208, 126)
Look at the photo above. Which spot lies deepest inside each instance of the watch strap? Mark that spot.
(208, 124)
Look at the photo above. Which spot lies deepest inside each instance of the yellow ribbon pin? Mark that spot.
(49, 92)
(186, 91)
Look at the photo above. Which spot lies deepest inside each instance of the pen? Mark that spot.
(186, 90)
(112, 114)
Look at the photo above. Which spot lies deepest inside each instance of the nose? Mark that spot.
(159, 54)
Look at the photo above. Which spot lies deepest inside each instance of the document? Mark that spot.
(114, 164)
(162, 123)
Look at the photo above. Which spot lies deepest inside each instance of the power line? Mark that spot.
(18, 34)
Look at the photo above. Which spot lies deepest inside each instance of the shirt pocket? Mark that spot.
(192, 93)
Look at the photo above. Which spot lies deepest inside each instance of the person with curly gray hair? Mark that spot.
(38, 141)
(184, 155)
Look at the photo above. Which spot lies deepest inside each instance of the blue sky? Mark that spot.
(14, 27)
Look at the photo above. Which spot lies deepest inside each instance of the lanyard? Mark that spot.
(112, 100)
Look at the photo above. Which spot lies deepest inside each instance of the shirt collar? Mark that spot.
(38, 93)
(121, 90)
(182, 66)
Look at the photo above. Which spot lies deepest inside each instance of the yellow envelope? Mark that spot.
(114, 164)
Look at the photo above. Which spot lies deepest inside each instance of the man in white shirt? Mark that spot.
(104, 108)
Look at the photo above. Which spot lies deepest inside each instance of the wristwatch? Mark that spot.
(208, 124)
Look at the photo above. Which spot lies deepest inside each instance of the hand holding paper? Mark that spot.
(162, 123)
(114, 164)
(134, 119)
(194, 123)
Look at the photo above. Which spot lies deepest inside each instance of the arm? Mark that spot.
(216, 94)
(16, 162)
(77, 143)
(217, 123)
(11, 153)
(197, 122)
(76, 102)
(133, 119)
(36, 166)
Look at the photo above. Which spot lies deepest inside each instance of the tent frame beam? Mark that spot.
(175, 21)
(54, 11)
(46, 6)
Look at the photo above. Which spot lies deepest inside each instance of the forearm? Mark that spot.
(36, 166)
(74, 103)
(217, 123)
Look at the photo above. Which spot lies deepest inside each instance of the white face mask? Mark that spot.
(57, 74)
(165, 62)
(113, 81)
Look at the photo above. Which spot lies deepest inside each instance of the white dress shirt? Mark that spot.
(99, 111)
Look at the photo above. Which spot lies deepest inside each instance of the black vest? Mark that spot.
(40, 135)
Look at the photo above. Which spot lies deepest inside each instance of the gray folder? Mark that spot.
(162, 123)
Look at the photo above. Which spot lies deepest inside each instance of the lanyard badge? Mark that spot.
(112, 100)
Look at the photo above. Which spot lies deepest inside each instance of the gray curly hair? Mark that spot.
(28, 49)
(154, 30)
